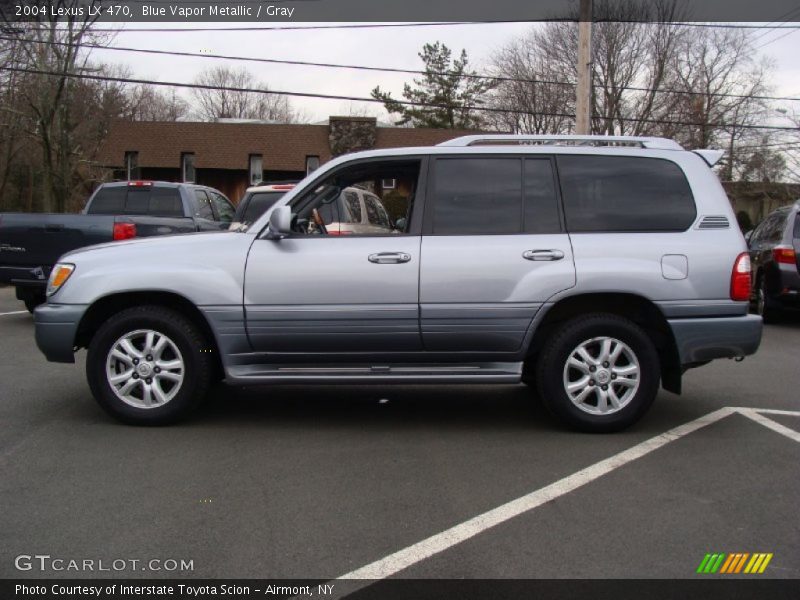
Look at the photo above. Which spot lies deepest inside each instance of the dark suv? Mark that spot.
(774, 250)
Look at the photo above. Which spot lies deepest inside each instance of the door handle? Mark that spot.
(389, 258)
(543, 255)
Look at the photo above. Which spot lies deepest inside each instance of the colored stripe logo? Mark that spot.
(737, 562)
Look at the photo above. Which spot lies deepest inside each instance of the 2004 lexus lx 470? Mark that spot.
(595, 268)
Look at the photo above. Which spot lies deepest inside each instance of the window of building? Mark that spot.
(256, 169)
(479, 195)
(620, 193)
(132, 165)
(187, 167)
(312, 164)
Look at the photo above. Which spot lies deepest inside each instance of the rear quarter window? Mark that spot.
(621, 193)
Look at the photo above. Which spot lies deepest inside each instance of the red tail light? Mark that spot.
(124, 231)
(784, 254)
(740, 278)
(140, 183)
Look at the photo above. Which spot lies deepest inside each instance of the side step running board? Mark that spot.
(396, 373)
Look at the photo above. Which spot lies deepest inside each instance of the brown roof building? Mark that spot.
(230, 156)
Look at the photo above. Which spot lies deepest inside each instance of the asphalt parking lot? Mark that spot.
(319, 482)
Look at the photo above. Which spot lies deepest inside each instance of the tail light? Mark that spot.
(784, 254)
(140, 183)
(740, 278)
(124, 231)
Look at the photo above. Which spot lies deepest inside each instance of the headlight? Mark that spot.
(58, 277)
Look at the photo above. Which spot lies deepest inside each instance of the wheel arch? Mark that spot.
(107, 306)
(642, 311)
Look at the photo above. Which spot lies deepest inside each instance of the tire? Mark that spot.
(600, 401)
(161, 390)
(764, 305)
(32, 304)
(32, 300)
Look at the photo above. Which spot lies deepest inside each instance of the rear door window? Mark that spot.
(620, 193)
(481, 195)
(797, 227)
(541, 199)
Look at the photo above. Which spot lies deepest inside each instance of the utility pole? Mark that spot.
(583, 100)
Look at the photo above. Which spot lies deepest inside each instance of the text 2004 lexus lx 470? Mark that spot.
(595, 268)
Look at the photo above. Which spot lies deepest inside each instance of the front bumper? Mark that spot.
(56, 326)
(700, 340)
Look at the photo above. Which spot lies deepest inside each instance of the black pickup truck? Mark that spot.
(31, 243)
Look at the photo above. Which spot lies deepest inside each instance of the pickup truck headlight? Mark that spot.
(58, 277)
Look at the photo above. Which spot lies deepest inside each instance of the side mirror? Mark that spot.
(280, 223)
(400, 224)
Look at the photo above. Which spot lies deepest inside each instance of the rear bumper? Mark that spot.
(700, 340)
(56, 326)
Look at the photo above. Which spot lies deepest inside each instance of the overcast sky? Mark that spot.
(381, 47)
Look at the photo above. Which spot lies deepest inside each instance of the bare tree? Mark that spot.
(52, 114)
(228, 100)
(149, 103)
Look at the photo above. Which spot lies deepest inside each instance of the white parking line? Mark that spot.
(15, 312)
(769, 423)
(415, 553)
(405, 558)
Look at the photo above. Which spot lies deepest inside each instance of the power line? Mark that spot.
(436, 24)
(294, 27)
(381, 69)
(363, 99)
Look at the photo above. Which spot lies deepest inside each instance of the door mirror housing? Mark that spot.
(280, 223)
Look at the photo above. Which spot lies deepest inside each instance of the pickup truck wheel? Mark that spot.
(148, 365)
(598, 373)
(31, 304)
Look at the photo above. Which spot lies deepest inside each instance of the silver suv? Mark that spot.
(595, 268)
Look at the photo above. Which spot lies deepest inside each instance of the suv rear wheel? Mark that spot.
(598, 373)
(148, 365)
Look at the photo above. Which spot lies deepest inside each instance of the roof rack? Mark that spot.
(624, 141)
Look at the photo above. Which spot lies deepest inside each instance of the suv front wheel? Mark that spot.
(598, 373)
(148, 365)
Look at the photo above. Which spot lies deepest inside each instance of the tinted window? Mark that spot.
(153, 201)
(611, 193)
(109, 201)
(258, 204)
(797, 227)
(224, 209)
(477, 196)
(165, 202)
(541, 201)
(203, 206)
